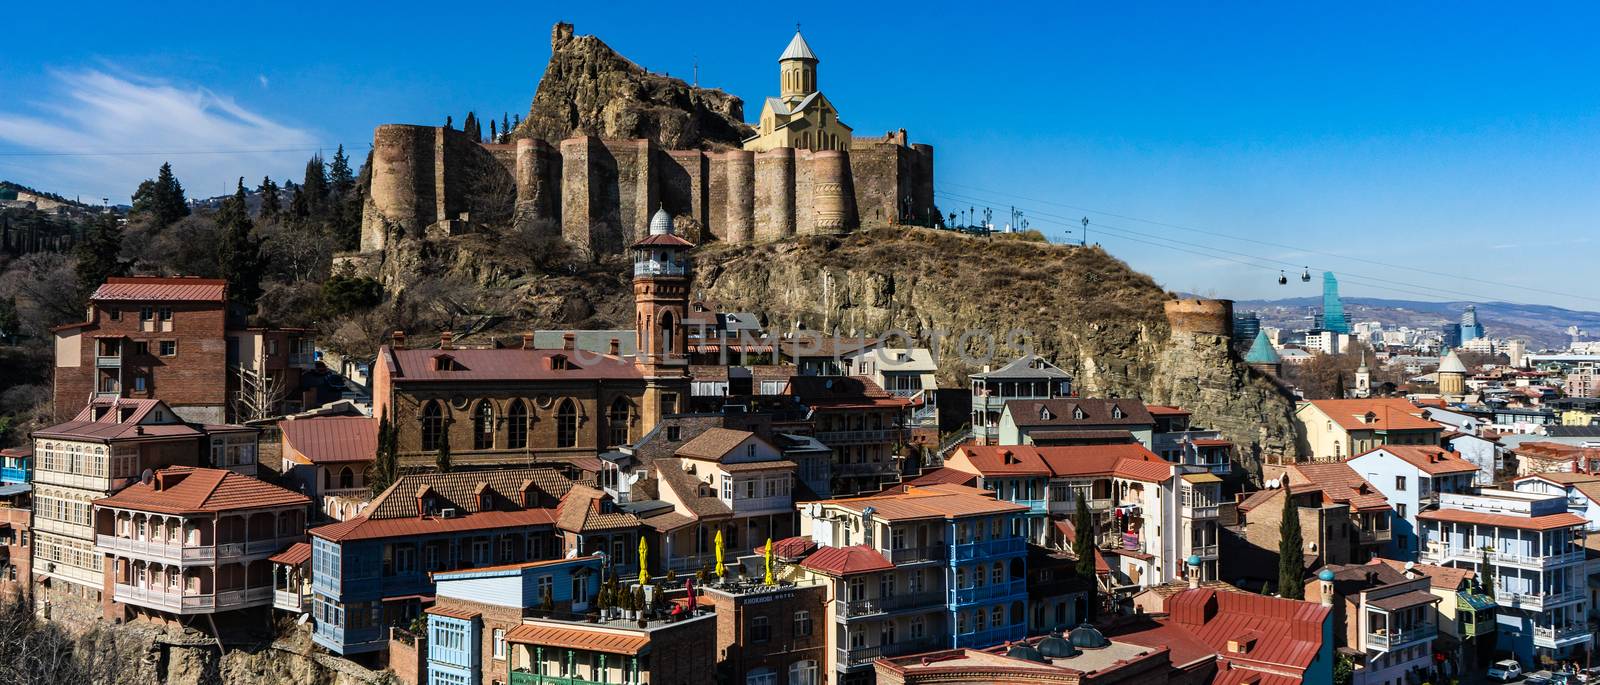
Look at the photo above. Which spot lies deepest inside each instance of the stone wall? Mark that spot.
(601, 192)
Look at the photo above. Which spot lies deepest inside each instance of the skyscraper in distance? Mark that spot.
(1470, 328)
(1332, 307)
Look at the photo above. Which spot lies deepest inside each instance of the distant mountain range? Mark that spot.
(1543, 326)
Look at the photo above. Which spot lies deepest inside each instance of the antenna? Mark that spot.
(697, 71)
(1085, 240)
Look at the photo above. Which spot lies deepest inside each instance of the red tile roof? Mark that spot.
(842, 392)
(1387, 414)
(452, 612)
(510, 364)
(1565, 519)
(1147, 471)
(939, 501)
(1338, 483)
(1287, 633)
(297, 554)
(667, 239)
(943, 474)
(332, 439)
(1092, 460)
(364, 528)
(578, 638)
(164, 289)
(1001, 460)
(1430, 459)
(189, 490)
(843, 561)
(788, 548)
(1165, 410)
(141, 422)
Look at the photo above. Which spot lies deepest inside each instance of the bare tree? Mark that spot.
(260, 395)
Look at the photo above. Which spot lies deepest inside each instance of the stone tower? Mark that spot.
(1452, 375)
(797, 67)
(661, 299)
(1363, 378)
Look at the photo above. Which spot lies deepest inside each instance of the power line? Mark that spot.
(171, 153)
(1169, 243)
(1269, 243)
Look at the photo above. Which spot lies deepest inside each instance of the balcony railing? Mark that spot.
(990, 637)
(363, 493)
(969, 595)
(109, 362)
(1475, 554)
(871, 468)
(860, 656)
(1201, 512)
(861, 437)
(1560, 633)
(1537, 600)
(290, 600)
(915, 555)
(303, 360)
(1204, 551)
(882, 605)
(983, 549)
(1369, 536)
(1399, 638)
(178, 552)
(754, 504)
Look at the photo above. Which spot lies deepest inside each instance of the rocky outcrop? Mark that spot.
(588, 88)
(1096, 317)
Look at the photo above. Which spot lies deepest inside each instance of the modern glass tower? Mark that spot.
(1470, 328)
(1332, 308)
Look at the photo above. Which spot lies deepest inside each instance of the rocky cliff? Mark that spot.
(1093, 315)
(588, 88)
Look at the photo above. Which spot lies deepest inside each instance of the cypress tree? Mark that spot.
(100, 254)
(1083, 548)
(314, 189)
(1487, 577)
(161, 198)
(1290, 545)
(470, 126)
(239, 254)
(505, 128)
(340, 178)
(442, 460)
(494, 136)
(270, 202)
(385, 464)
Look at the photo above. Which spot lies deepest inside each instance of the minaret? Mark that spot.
(660, 301)
(1325, 586)
(797, 67)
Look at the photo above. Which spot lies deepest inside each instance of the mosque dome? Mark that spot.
(1087, 637)
(1057, 647)
(1325, 574)
(1021, 650)
(661, 223)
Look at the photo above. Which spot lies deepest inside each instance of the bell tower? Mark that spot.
(797, 67)
(660, 301)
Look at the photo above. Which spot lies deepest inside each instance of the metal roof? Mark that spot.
(798, 49)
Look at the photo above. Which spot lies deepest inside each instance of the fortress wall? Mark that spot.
(830, 188)
(682, 180)
(875, 166)
(805, 201)
(577, 209)
(916, 180)
(629, 187)
(538, 178)
(1211, 317)
(402, 183)
(739, 196)
(775, 192)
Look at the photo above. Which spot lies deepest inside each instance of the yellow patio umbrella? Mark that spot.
(644, 568)
(721, 568)
(769, 580)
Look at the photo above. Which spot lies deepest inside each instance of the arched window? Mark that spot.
(327, 479)
(347, 478)
(432, 425)
(617, 421)
(483, 426)
(803, 673)
(517, 425)
(666, 333)
(566, 424)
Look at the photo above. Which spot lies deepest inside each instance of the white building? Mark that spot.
(1412, 477)
(1582, 491)
(1532, 546)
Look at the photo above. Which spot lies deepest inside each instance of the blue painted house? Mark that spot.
(1015, 474)
(14, 463)
(475, 610)
(373, 571)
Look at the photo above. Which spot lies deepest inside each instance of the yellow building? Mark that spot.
(801, 116)
(1332, 430)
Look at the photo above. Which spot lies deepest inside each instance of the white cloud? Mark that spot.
(118, 130)
(263, 79)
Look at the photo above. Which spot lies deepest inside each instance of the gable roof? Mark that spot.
(1387, 414)
(1430, 459)
(1439, 577)
(1285, 632)
(843, 561)
(504, 364)
(1064, 411)
(1338, 483)
(909, 503)
(160, 289)
(332, 439)
(1003, 460)
(1028, 366)
(716, 443)
(1093, 460)
(688, 490)
(459, 490)
(582, 511)
(190, 490)
(109, 426)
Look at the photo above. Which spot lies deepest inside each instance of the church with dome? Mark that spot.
(800, 116)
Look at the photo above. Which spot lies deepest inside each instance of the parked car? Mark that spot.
(1505, 670)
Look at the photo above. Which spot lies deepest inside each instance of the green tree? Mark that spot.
(1291, 565)
(1487, 577)
(505, 128)
(100, 254)
(239, 254)
(271, 203)
(442, 460)
(1344, 670)
(162, 198)
(494, 135)
(471, 128)
(386, 463)
(1083, 548)
(342, 294)
(314, 189)
(340, 178)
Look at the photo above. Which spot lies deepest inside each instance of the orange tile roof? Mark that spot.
(1565, 519)
(451, 612)
(167, 289)
(1092, 460)
(330, 439)
(1003, 460)
(1167, 410)
(1147, 471)
(937, 501)
(1430, 459)
(1338, 483)
(364, 528)
(578, 638)
(190, 490)
(297, 554)
(843, 561)
(1387, 414)
(1287, 632)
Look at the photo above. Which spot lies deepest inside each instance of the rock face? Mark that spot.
(590, 89)
(1089, 312)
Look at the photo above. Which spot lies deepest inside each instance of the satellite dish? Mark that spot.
(302, 620)
(147, 476)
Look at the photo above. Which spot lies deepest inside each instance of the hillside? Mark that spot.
(1543, 326)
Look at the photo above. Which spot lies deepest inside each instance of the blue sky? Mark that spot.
(1434, 152)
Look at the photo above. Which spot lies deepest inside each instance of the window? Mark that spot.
(147, 313)
(116, 314)
(617, 422)
(760, 630)
(347, 478)
(674, 434)
(997, 616)
(567, 424)
(1400, 509)
(761, 676)
(803, 673)
(802, 623)
(919, 627)
(546, 586)
(141, 347)
(517, 425)
(169, 348)
(499, 643)
(166, 313)
(432, 425)
(139, 384)
(483, 426)
(1400, 483)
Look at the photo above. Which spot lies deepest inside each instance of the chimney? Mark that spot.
(616, 347)
(444, 340)
(399, 340)
(569, 341)
(527, 340)
(160, 481)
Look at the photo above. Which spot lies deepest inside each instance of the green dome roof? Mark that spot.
(1261, 351)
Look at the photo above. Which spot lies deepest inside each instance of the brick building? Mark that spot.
(866, 427)
(16, 538)
(773, 634)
